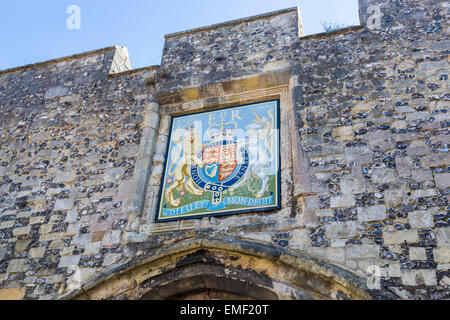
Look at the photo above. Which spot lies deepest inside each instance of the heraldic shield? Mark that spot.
(222, 162)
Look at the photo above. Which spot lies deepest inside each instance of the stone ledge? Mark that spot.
(232, 22)
(132, 72)
(216, 92)
(75, 56)
(332, 33)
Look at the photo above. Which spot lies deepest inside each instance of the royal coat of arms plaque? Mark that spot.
(222, 162)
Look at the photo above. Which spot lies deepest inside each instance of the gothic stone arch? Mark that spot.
(231, 268)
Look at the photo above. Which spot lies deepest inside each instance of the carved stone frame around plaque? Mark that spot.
(279, 85)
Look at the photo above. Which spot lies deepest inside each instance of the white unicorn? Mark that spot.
(259, 143)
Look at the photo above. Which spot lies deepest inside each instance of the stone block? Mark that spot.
(113, 174)
(309, 211)
(71, 216)
(92, 248)
(442, 254)
(336, 254)
(357, 252)
(69, 261)
(399, 237)
(383, 175)
(395, 197)
(419, 277)
(74, 98)
(352, 186)
(416, 253)
(342, 201)
(22, 231)
(442, 179)
(111, 258)
(374, 213)
(394, 270)
(164, 125)
(73, 229)
(424, 193)
(341, 230)
(151, 120)
(63, 205)
(420, 219)
(6, 224)
(55, 278)
(432, 65)
(2, 253)
(338, 243)
(300, 238)
(17, 266)
(434, 160)
(12, 294)
(111, 238)
(343, 133)
(82, 239)
(443, 236)
(55, 92)
(445, 282)
(362, 107)
(404, 166)
(46, 228)
(22, 246)
(64, 177)
(37, 220)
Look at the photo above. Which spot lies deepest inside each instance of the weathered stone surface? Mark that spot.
(111, 258)
(416, 253)
(22, 231)
(357, 252)
(442, 255)
(37, 252)
(336, 255)
(443, 236)
(442, 180)
(12, 293)
(341, 230)
(420, 219)
(372, 213)
(364, 135)
(396, 197)
(2, 253)
(300, 238)
(69, 261)
(419, 277)
(17, 266)
(434, 160)
(342, 202)
(394, 270)
(55, 92)
(400, 237)
(63, 205)
(343, 133)
(381, 176)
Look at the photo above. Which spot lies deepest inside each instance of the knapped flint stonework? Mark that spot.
(364, 166)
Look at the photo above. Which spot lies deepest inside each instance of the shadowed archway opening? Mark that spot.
(209, 287)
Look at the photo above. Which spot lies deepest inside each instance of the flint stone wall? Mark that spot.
(82, 142)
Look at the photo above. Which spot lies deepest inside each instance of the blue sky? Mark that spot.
(34, 31)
